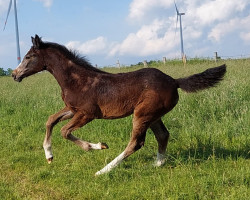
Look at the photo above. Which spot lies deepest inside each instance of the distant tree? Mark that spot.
(2, 72)
(9, 72)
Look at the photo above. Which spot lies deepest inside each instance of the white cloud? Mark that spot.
(46, 3)
(157, 35)
(5, 3)
(139, 8)
(149, 40)
(218, 10)
(94, 46)
(235, 24)
(192, 33)
(222, 29)
(245, 33)
(3, 7)
(245, 36)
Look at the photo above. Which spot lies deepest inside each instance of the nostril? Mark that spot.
(13, 74)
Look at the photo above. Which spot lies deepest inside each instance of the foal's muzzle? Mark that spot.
(16, 77)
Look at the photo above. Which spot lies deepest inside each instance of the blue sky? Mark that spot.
(129, 30)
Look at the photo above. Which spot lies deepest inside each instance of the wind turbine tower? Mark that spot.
(16, 26)
(181, 36)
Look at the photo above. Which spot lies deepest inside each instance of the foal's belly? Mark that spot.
(115, 111)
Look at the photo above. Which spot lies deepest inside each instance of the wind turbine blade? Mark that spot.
(177, 17)
(7, 14)
(176, 8)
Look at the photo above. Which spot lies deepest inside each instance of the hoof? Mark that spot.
(50, 160)
(104, 146)
(159, 163)
(160, 160)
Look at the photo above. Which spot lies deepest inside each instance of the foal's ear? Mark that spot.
(36, 41)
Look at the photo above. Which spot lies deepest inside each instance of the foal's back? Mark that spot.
(119, 94)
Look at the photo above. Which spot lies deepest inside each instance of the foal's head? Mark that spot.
(32, 62)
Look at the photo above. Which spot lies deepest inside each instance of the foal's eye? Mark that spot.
(27, 57)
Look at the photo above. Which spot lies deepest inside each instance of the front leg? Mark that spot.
(78, 121)
(63, 114)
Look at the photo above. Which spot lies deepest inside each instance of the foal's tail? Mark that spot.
(206, 79)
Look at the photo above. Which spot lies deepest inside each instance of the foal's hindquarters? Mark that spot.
(147, 114)
(159, 99)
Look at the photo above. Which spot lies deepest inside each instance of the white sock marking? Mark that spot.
(48, 151)
(160, 160)
(96, 146)
(112, 164)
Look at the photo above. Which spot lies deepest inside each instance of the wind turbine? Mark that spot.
(16, 26)
(182, 48)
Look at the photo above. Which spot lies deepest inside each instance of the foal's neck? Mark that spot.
(69, 75)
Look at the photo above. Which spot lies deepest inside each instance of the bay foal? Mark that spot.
(89, 93)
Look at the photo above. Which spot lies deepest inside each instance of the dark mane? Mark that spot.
(72, 55)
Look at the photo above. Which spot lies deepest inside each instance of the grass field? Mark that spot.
(208, 152)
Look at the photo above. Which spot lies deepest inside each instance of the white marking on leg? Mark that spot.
(160, 160)
(112, 164)
(96, 146)
(48, 151)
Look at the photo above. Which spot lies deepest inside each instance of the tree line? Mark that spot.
(5, 73)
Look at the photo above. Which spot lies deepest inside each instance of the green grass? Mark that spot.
(208, 152)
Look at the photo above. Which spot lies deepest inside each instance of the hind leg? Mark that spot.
(162, 136)
(136, 142)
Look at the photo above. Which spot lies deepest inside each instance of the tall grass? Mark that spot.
(208, 152)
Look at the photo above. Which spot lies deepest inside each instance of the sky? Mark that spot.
(130, 31)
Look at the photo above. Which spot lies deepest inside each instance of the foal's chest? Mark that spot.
(77, 100)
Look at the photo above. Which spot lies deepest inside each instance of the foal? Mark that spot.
(89, 93)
